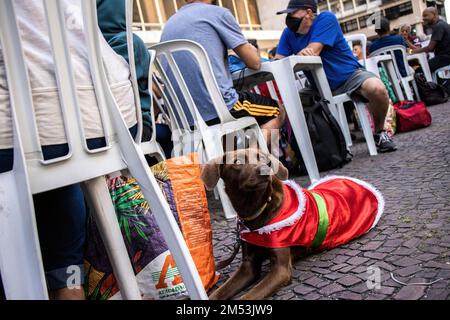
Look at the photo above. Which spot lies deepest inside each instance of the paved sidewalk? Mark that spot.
(412, 240)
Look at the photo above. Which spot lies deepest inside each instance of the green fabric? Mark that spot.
(112, 23)
(323, 221)
(384, 77)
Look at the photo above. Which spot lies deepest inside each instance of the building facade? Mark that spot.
(257, 18)
(359, 16)
(259, 21)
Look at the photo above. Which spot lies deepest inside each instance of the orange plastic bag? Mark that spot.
(157, 274)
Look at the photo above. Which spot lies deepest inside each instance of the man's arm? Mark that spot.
(430, 48)
(249, 55)
(313, 49)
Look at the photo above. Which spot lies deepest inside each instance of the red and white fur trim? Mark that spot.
(292, 219)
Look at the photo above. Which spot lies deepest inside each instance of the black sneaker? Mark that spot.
(384, 143)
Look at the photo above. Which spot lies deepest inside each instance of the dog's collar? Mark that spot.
(258, 213)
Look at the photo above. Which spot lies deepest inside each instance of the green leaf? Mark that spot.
(130, 204)
(124, 197)
(127, 230)
(141, 233)
(106, 294)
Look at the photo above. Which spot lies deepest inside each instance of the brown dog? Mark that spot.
(259, 197)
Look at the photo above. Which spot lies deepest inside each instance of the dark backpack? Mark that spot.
(431, 93)
(326, 136)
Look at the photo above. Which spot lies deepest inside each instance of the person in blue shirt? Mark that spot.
(309, 34)
(386, 40)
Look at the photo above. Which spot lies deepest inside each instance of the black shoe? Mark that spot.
(384, 143)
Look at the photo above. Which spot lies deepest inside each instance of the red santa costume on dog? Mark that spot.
(330, 213)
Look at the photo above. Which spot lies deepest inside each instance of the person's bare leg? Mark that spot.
(374, 90)
(68, 294)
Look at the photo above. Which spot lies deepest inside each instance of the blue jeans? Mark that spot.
(61, 220)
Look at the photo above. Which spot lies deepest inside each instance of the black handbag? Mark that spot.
(330, 147)
(431, 93)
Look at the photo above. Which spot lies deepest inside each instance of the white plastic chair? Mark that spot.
(202, 138)
(20, 258)
(151, 147)
(409, 78)
(439, 71)
(360, 107)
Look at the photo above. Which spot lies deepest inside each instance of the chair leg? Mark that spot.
(344, 125)
(20, 256)
(416, 90)
(99, 199)
(407, 89)
(228, 209)
(367, 130)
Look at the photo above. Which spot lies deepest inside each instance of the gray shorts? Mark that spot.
(354, 83)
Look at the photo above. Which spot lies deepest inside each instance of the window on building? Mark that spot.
(335, 7)
(348, 5)
(323, 7)
(245, 11)
(152, 14)
(360, 2)
(363, 21)
(403, 9)
(349, 26)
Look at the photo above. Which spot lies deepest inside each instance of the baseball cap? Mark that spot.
(295, 5)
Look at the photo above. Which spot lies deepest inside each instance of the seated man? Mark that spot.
(61, 214)
(386, 40)
(112, 23)
(440, 40)
(358, 51)
(309, 34)
(216, 29)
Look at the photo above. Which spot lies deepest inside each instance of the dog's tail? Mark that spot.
(225, 263)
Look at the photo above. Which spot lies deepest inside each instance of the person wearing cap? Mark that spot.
(386, 40)
(309, 34)
(217, 31)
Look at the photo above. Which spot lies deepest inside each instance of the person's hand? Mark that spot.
(307, 52)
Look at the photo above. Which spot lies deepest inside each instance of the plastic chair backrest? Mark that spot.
(392, 50)
(165, 62)
(32, 174)
(133, 77)
(362, 39)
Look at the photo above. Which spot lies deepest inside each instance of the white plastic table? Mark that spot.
(423, 61)
(283, 72)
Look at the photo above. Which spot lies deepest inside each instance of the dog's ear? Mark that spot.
(279, 169)
(211, 174)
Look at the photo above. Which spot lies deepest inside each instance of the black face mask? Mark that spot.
(293, 23)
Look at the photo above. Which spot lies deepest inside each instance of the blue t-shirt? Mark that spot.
(235, 63)
(391, 41)
(337, 57)
(216, 29)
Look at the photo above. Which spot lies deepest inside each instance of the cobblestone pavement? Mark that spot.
(412, 240)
